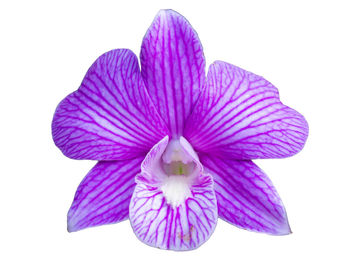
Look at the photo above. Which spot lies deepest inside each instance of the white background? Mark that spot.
(45, 49)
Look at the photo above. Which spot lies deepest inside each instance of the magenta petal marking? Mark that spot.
(246, 196)
(110, 116)
(103, 196)
(176, 212)
(240, 116)
(172, 66)
(185, 227)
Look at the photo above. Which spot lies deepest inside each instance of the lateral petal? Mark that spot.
(110, 117)
(173, 68)
(240, 116)
(246, 197)
(103, 196)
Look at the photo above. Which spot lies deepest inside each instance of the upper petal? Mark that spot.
(246, 196)
(240, 116)
(172, 66)
(110, 116)
(103, 196)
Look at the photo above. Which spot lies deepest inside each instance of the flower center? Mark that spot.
(181, 166)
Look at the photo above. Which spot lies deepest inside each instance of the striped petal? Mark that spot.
(103, 196)
(240, 116)
(172, 63)
(110, 116)
(246, 197)
(177, 212)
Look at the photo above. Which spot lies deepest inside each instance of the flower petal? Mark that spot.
(110, 116)
(184, 227)
(103, 196)
(240, 116)
(172, 66)
(157, 221)
(246, 196)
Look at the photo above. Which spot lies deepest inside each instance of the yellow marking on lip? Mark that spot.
(181, 169)
(178, 168)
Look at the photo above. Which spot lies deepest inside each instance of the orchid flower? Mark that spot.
(174, 147)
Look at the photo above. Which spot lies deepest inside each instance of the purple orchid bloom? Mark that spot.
(174, 148)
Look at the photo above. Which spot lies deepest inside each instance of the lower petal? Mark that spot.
(174, 204)
(185, 227)
(103, 196)
(246, 197)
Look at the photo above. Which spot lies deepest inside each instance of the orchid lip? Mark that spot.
(173, 205)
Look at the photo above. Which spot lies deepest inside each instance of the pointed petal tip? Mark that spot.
(282, 230)
(284, 233)
(70, 229)
(165, 12)
(71, 226)
(72, 222)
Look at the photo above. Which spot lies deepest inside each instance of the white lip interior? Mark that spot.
(180, 165)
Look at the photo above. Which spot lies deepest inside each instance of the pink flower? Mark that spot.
(175, 148)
